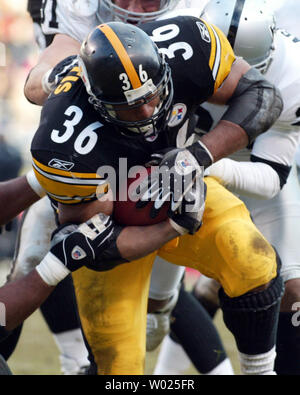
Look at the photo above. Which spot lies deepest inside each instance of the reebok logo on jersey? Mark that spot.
(203, 31)
(60, 164)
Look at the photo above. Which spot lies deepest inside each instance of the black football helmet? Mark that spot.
(121, 66)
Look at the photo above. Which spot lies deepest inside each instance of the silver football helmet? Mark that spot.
(110, 11)
(249, 26)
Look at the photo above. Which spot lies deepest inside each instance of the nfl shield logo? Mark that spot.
(185, 163)
(78, 253)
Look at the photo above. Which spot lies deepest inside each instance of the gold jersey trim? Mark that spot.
(221, 55)
(67, 186)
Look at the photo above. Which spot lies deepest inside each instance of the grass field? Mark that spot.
(37, 353)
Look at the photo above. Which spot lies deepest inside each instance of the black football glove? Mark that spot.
(91, 244)
(53, 77)
(188, 217)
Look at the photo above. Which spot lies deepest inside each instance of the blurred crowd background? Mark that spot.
(19, 52)
(18, 118)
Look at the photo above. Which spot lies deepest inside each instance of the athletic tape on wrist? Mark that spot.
(178, 228)
(52, 270)
(45, 84)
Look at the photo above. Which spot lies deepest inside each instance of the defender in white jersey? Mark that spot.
(259, 173)
(76, 18)
(287, 17)
(70, 21)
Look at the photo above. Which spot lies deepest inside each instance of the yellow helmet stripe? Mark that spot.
(122, 54)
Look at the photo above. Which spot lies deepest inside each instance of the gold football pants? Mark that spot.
(228, 247)
(112, 305)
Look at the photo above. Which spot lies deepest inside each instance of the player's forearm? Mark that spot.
(225, 139)
(61, 47)
(100, 244)
(21, 298)
(138, 241)
(15, 196)
(33, 90)
(133, 242)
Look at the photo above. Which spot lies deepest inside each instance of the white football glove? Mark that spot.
(53, 76)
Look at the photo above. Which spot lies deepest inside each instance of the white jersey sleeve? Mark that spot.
(256, 179)
(284, 73)
(252, 179)
(74, 18)
(277, 146)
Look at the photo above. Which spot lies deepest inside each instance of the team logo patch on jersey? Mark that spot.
(78, 253)
(204, 31)
(178, 113)
(60, 164)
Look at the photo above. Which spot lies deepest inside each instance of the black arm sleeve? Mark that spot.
(255, 104)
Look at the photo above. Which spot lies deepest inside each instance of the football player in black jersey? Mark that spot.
(124, 109)
(50, 19)
(48, 15)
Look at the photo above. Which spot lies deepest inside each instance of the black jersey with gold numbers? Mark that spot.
(73, 141)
